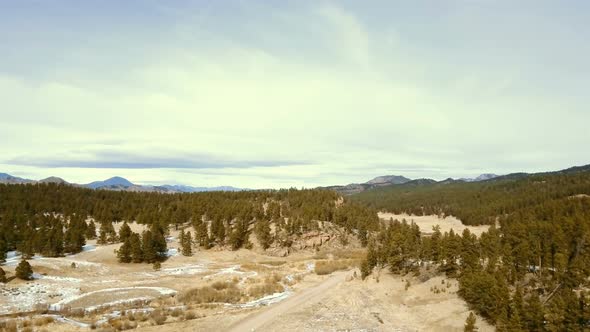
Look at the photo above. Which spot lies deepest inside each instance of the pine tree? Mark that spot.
(187, 243)
(24, 271)
(157, 266)
(201, 234)
(136, 250)
(534, 313)
(148, 249)
(181, 237)
(3, 249)
(2, 276)
(90, 233)
(124, 232)
(124, 252)
(470, 323)
(262, 231)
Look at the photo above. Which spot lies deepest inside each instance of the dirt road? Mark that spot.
(306, 297)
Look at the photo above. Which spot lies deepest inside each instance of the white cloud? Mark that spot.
(349, 98)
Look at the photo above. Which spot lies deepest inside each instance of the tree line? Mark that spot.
(531, 273)
(56, 219)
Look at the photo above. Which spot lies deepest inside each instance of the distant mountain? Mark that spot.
(9, 179)
(119, 184)
(189, 189)
(114, 182)
(389, 179)
(355, 188)
(483, 177)
(53, 179)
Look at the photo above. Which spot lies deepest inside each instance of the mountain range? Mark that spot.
(117, 183)
(388, 180)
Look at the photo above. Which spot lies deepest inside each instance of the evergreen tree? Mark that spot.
(262, 231)
(124, 232)
(3, 249)
(181, 237)
(534, 313)
(24, 271)
(187, 244)
(124, 252)
(201, 234)
(148, 248)
(470, 323)
(90, 233)
(136, 248)
(2, 276)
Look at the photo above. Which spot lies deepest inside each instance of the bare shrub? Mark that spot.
(176, 313)
(327, 267)
(190, 315)
(9, 326)
(227, 293)
(42, 321)
(158, 317)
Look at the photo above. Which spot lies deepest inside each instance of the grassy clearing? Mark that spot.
(229, 292)
(329, 266)
(219, 292)
(270, 285)
(273, 263)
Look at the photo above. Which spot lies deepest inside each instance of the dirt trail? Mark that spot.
(306, 297)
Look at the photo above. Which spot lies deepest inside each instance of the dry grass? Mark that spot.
(8, 326)
(273, 263)
(122, 324)
(158, 317)
(271, 285)
(190, 315)
(42, 321)
(327, 267)
(219, 292)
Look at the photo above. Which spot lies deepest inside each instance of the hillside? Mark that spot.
(529, 271)
(481, 202)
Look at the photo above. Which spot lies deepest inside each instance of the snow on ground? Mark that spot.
(68, 300)
(172, 252)
(233, 270)
(185, 270)
(38, 276)
(24, 297)
(267, 300)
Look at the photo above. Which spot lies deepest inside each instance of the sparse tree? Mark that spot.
(187, 243)
(124, 252)
(136, 250)
(470, 323)
(24, 271)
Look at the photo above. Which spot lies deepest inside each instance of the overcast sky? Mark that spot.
(263, 94)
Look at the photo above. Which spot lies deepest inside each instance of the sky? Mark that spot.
(270, 94)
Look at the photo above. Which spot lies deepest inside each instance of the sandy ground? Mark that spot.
(426, 223)
(340, 301)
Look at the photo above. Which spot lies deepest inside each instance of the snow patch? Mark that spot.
(66, 301)
(172, 252)
(25, 297)
(267, 300)
(185, 270)
(38, 276)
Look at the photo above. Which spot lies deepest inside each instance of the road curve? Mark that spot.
(308, 296)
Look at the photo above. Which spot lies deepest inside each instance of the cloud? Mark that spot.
(132, 160)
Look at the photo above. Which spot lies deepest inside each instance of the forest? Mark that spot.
(56, 219)
(529, 272)
(478, 203)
